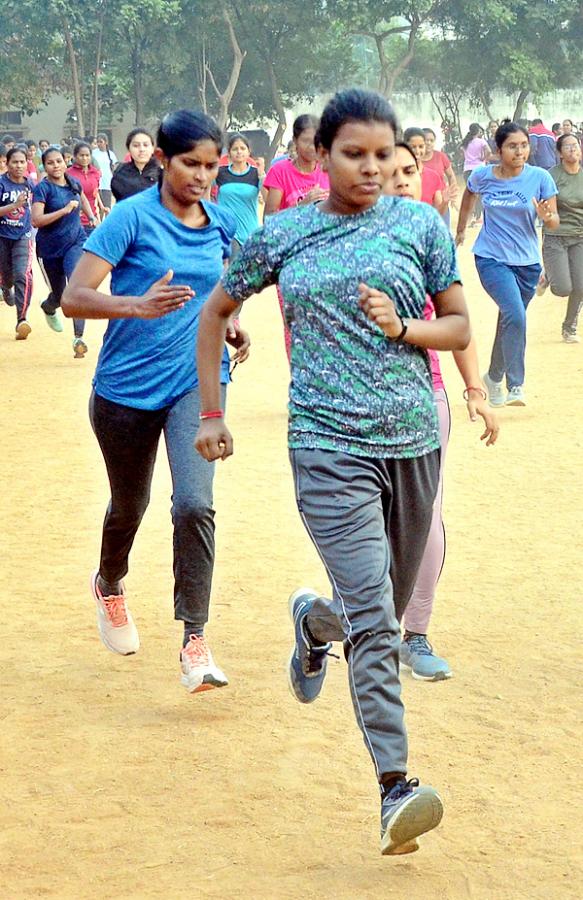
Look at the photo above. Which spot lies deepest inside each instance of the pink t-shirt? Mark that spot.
(475, 154)
(293, 184)
(430, 185)
(439, 162)
(438, 384)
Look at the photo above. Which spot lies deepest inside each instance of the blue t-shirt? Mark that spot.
(238, 191)
(150, 363)
(54, 240)
(352, 390)
(508, 234)
(15, 224)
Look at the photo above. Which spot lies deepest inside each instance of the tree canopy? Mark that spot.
(249, 61)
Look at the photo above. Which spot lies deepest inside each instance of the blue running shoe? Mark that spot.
(416, 653)
(307, 665)
(407, 811)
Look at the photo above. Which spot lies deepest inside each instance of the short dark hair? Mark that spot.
(429, 131)
(180, 131)
(353, 105)
(505, 129)
(79, 146)
(8, 139)
(238, 137)
(401, 145)
(302, 123)
(3, 150)
(133, 134)
(16, 149)
(562, 139)
(536, 122)
(412, 132)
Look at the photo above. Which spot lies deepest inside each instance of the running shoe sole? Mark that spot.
(209, 683)
(421, 813)
(80, 349)
(516, 402)
(23, 330)
(439, 676)
(104, 641)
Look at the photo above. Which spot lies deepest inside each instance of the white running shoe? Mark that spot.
(114, 621)
(199, 671)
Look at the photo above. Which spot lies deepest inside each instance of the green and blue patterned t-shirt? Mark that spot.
(352, 390)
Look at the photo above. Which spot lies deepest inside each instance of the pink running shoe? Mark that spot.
(199, 672)
(114, 621)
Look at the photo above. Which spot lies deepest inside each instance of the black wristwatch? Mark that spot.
(399, 338)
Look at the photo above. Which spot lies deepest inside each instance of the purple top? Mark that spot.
(475, 154)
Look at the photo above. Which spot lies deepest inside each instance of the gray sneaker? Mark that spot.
(516, 396)
(416, 654)
(495, 391)
(570, 337)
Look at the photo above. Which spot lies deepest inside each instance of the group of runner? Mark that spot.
(370, 291)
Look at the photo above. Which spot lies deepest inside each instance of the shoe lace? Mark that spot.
(316, 655)
(401, 788)
(196, 651)
(115, 608)
(419, 644)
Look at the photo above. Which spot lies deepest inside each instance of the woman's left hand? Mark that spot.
(238, 339)
(543, 209)
(477, 406)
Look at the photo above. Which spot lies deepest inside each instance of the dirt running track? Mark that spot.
(117, 784)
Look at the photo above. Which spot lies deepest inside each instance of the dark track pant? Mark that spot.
(369, 520)
(57, 270)
(16, 271)
(128, 439)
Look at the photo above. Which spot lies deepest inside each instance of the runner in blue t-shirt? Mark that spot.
(239, 184)
(59, 242)
(146, 380)
(16, 239)
(507, 251)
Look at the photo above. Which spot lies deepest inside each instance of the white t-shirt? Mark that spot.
(104, 159)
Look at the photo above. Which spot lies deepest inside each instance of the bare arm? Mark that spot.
(213, 440)
(85, 206)
(449, 331)
(273, 201)
(475, 395)
(82, 299)
(468, 203)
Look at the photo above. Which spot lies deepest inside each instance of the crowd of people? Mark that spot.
(356, 238)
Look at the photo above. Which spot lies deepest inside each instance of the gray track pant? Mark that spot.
(369, 519)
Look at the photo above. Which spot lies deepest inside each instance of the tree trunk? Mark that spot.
(77, 93)
(225, 97)
(95, 98)
(138, 85)
(520, 104)
(405, 60)
(280, 109)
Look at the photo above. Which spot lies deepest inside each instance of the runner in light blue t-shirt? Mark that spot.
(507, 250)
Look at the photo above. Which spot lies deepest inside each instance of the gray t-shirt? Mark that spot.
(352, 390)
(569, 202)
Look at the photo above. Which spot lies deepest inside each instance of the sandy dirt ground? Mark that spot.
(117, 784)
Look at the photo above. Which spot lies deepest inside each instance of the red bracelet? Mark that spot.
(478, 389)
(213, 414)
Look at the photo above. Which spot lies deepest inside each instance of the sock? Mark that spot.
(313, 641)
(108, 589)
(189, 629)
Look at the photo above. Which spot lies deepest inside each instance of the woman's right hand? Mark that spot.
(314, 196)
(162, 298)
(213, 440)
(21, 200)
(72, 206)
(460, 237)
